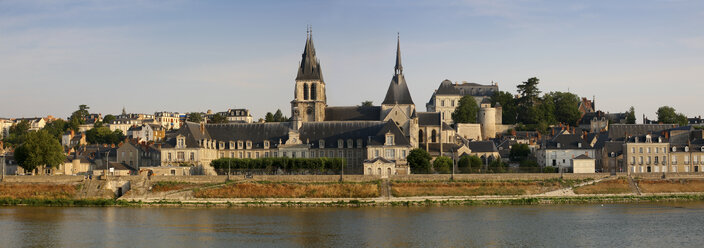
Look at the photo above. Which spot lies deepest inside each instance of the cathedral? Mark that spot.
(365, 136)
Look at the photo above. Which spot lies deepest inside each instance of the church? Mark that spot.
(372, 136)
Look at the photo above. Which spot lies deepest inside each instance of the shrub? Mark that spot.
(291, 165)
(419, 161)
(442, 165)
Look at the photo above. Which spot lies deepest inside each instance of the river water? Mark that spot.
(608, 225)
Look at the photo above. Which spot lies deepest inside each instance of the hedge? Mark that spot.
(285, 164)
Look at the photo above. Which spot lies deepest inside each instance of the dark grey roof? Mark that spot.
(428, 118)
(482, 146)
(310, 66)
(615, 147)
(447, 88)
(370, 132)
(398, 90)
(353, 113)
(582, 156)
(614, 118)
(255, 132)
(568, 141)
(620, 131)
(377, 159)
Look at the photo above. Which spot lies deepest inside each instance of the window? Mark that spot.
(656, 159)
(192, 156)
(168, 155)
(240, 145)
(452, 103)
(359, 143)
(686, 158)
(276, 154)
(664, 160)
(266, 144)
(321, 144)
(633, 150)
(340, 144)
(222, 155)
(249, 154)
(633, 160)
(249, 144)
(442, 103)
(257, 154)
(241, 155)
(403, 154)
(640, 160)
(648, 149)
(305, 91)
(674, 160)
(390, 153)
(350, 143)
(339, 154)
(648, 162)
(313, 91)
(376, 153)
(232, 154)
(180, 156)
(432, 137)
(389, 140)
(640, 150)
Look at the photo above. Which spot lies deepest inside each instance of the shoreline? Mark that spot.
(361, 202)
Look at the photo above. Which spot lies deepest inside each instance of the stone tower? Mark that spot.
(309, 99)
(398, 105)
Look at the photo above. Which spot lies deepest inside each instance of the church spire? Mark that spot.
(398, 68)
(310, 66)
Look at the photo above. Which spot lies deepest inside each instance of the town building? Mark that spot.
(447, 97)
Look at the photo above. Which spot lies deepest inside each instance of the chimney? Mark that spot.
(667, 135)
(202, 128)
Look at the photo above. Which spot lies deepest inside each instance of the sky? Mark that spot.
(186, 56)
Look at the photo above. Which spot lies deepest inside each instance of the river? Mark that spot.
(608, 225)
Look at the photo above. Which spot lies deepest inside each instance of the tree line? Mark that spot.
(284, 164)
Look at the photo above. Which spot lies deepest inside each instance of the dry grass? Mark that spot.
(31, 190)
(671, 186)
(291, 190)
(171, 186)
(617, 186)
(401, 189)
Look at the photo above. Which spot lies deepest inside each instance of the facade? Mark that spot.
(446, 98)
(561, 149)
(168, 120)
(583, 164)
(138, 155)
(238, 115)
(384, 168)
(142, 133)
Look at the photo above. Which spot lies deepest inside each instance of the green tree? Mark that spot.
(103, 135)
(108, 119)
(668, 115)
(195, 117)
(39, 149)
(519, 152)
(466, 111)
(367, 103)
(419, 161)
(497, 166)
(508, 106)
(566, 107)
(269, 117)
(279, 117)
(442, 165)
(218, 118)
(528, 113)
(57, 128)
(631, 116)
(17, 133)
(469, 164)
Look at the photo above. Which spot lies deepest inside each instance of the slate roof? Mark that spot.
(482, 146)
(377, 159)
(428, 119)
(568, 141)
(447, 88)
(353, 113)
(613, 146)
(398, 92)
(614, 118)
(619, 131)
(582, 157)
(370, 132)
(309, 68)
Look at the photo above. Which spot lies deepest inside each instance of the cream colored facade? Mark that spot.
(583, 165)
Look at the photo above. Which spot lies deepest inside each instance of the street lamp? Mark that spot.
(228, 169)
(2, 162)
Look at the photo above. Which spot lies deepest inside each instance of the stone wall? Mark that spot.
(44, 179)
(498, 176)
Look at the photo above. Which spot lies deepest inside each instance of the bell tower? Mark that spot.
(309, 99)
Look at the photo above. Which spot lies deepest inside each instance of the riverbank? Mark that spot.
(416, 190)
(363, 202)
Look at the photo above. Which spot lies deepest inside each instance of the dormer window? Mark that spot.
(232, 145)
(181, 142)
(350, 143)
(389, 139)
(266, 144)
(674, 149)
(249, 144)
(321, 144)
(579, 145)
(340, 143)
(221, 145)
(558, 145)
(648, 139)
(359, 143)
(240, 144)
(686, 148)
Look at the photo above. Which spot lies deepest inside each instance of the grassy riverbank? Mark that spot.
(477, 188)
(290, 190)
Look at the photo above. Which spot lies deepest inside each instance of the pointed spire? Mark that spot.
(310, 66)
(398, 68)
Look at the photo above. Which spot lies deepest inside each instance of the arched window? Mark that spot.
(432, 137)
(379, 170)
(305, 91)
(313, 91)
(388, 171)
(420, 136)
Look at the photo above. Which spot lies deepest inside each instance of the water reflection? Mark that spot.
(553, 226)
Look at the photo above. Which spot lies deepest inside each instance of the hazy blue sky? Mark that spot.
(196, 55)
